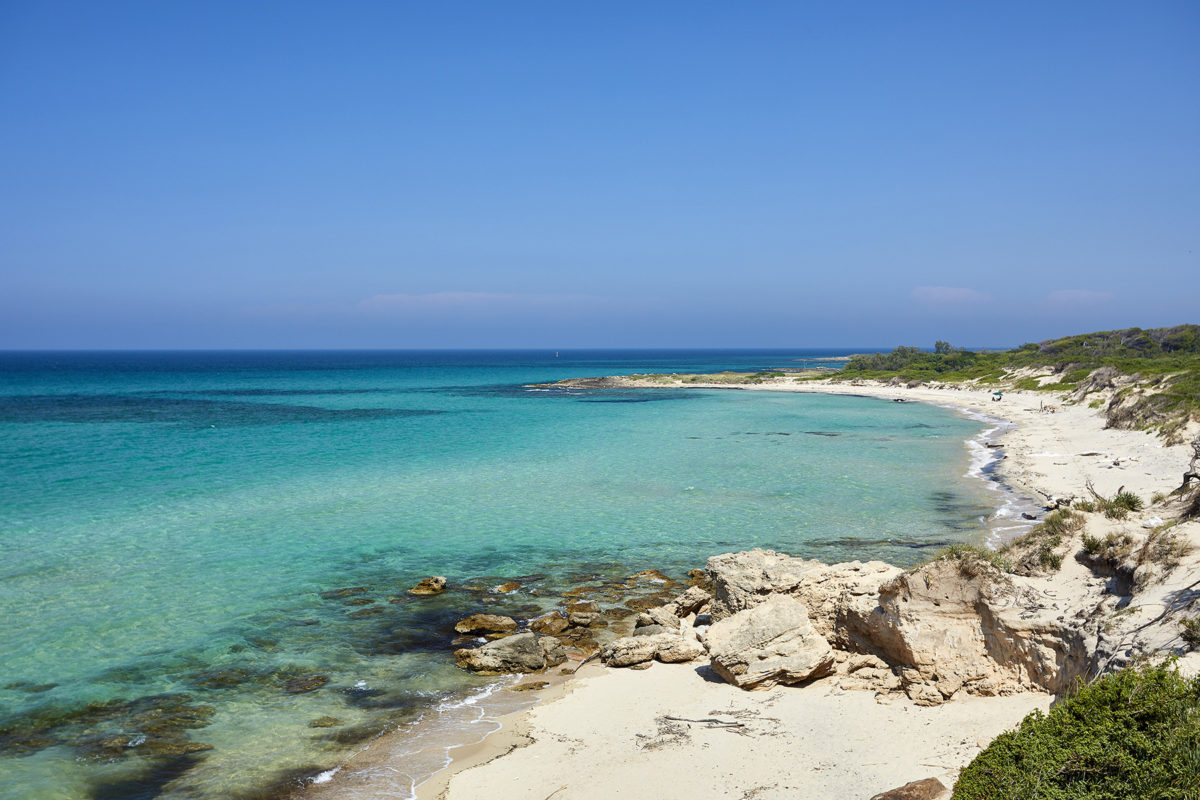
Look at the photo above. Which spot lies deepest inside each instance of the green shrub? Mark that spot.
(1134, 734)
(1127, 500)
(1085, 505)
(974, 560)
(1157, 498)
(1115, 512)
(1061, 523)
(1189, 629)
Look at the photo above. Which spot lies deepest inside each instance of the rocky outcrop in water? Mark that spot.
(486, 623)
(522, 652)
(434, 585)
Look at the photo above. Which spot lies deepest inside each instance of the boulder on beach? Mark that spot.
(773, 642)
(486, 623)
(743, 580)
(434, 585)
(927, 789)
(522, 652)
(669, 647)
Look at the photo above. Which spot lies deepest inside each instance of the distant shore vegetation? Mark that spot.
(1151, 378)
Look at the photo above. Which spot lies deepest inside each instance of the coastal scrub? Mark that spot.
(1135, 733)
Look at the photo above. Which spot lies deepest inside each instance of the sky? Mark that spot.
(211, 174)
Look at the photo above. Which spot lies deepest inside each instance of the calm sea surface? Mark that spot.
(175, 529)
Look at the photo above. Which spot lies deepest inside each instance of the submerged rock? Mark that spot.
(306, 683)
(773, 642)
(324, 722)
(486, 623)
(349, 591)
(434, 585)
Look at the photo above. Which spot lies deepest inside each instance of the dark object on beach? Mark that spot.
(994, 445)
(1026, 515)
(434, 585)
(899, 400)
(927, 789)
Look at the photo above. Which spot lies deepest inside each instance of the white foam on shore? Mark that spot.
(395, 764)
(1005, 523)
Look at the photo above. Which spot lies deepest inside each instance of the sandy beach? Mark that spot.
(679, 731)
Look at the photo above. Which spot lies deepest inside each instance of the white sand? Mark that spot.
(608, 736)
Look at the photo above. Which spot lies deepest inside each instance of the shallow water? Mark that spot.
(174, 530)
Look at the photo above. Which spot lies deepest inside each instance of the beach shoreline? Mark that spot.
(1049, 457)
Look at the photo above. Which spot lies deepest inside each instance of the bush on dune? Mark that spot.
(1134, 734)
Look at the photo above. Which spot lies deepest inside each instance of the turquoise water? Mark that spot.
(174, 527)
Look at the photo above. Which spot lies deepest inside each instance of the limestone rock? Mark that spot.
(661, 615)
(583, 614)
(772, 642)
(653, 630)
(927, 789)
(434, 585)
(689, 602)
(505, 588)
(523, 652)
(551, 624)
(670, 648)
(553, 650)
(653, 576)
(743, 580)
(698, 577)
(486, 623)
(950, 626)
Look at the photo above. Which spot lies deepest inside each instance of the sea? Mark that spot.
(205, 556)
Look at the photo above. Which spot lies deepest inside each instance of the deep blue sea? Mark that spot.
(175, 529)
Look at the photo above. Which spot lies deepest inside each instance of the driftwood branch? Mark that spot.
(1193, 470)
(593, 656)
(712, 722)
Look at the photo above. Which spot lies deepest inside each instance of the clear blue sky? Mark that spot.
(561, 174)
